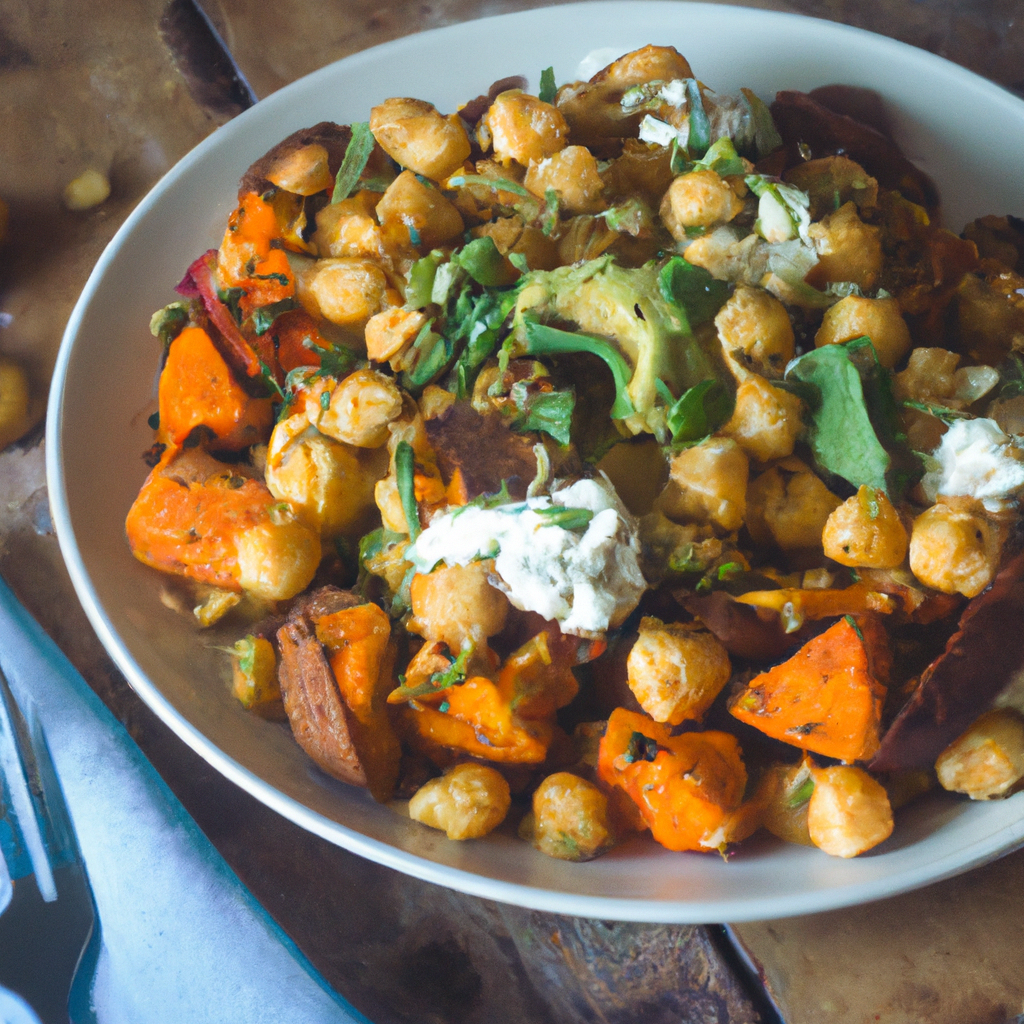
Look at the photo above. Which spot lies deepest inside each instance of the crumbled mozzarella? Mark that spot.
(586, 580)
(977, 459)
(661, 133)
(674, 93)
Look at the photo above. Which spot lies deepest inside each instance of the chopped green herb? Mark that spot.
(405, 471)
(547, 411)
(700, 127)
(167, 323)
(940, 412)
(801, 794)
(640, 748)
(546, 93)
(566, 518)
(698, 411)
(852, 623)
(693, 289)
(357, 153)
(263, 318)
(232, 297)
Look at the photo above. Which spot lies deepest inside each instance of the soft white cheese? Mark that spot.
(587, 580)
(661, 133)
(975, 458)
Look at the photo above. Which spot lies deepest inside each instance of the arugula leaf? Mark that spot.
(698, 412)
(548, 89)
(336, 361)
(420, 286)
(692, 289)
(548, 411)
(405, 471)
(357, 153)
(549, 215)
(454, 675)
(484, 263)
(699, 138)
(543, 340)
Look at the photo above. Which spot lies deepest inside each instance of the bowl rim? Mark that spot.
(982, 849)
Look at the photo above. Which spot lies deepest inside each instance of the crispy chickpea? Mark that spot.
(362, 407)
(987, 760)
(848, 812)
(524, 128)
(755, 332)
(348, 290)
(766, 421)
(419, 137)
(467, 802)
(276, 561)
(953, 551)
(699, 199)
(572, 173)
(676, 671)
(570, 818)
(323, 480)
(411, 212)
(785, 791)
(349, 228)
(866, 530)
(456, 603)
(391, 331)
(929, 376)
(880, 319)
(708, 483)
(790, 506)
(848, 249)
(303, 171)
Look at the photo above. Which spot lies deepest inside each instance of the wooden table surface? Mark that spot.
(116, 87)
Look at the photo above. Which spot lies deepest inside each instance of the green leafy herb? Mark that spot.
(482, 261)
(547, 411)
(640, 748)
(544, 340)
(405, 471)
(263, 318)
(495, 500)
(232, 297)
(722, 158)
(566, 518)
(420, 286)
(268, 378)
(852, 623)
(167, 323)
(700, 127)
(454, 675)
(549, 215)
(801, 794)
(357, 153)
(546, 93)
(692, 289)
(941, 412)
(497, 184)
(335, 361)
(729, 570)
(765, 137)
(1011, 376)
(698, 412)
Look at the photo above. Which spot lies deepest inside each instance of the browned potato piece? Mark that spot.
(789, 505)
(676, 671)
(880, 319)
(524, 128)
(849, 811)
(572, 173)
(710, 484)
(699, 199)
(456, 603)
(419, 137)
(866, 531)
(766, 421)
(410, 211)
(570, 818)
(848, 249)
(467, 802)
(988, 759)
(953, 551)
(756, 333)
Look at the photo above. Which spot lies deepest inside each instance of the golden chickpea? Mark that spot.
(349, 228)
(362, 407)
(766, 421)
(572, 173)
(708, 483)
(789, 505)
(987, 760)
(524, 128)
(456, 603)
(348, 290)
(570, 818)
(755, 332)
(323, 480)
(953, 551)
(411, 212)
(867, 531)
(849, 811)
(467, 802)
(699, 199)
(418, 136)
(676, 671)
(848, 249)
(276, 561)
(391, 331)
(785, 791)
(929, 376)
(880, 319)
(303, 171)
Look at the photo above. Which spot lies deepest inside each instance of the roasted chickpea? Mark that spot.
(866, 530)
(848, 249)
(766, 421)
(572, 173)
(699, 199)
(570, 818)
(879, 319)
(755, 332)
(348, 290)
(789, 505)
(303, 171)
(524, 128)
(848, 812)
(929, 376)
(362, 407)
(419, 137)
(467, 802)
(987, 760)
(391, 331)
(456, 603)
(276, 561)
(953, 551)
(349, 228)
(708, 483)
(412, 213)
(676, 671)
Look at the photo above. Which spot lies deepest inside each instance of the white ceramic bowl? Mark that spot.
(966, 132)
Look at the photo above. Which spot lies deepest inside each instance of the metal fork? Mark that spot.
(49, 933)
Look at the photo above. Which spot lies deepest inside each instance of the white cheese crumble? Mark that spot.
(588, 580)
(661, 133)
(975, 458)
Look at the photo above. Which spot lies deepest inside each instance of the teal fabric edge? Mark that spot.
(70, 676)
